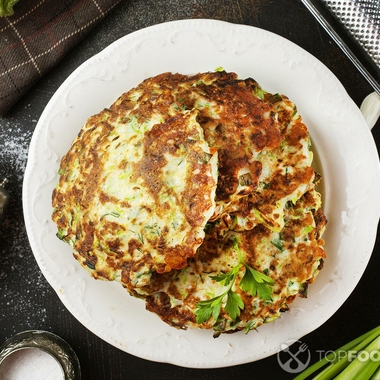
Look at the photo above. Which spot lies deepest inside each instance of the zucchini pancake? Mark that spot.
(196, 193)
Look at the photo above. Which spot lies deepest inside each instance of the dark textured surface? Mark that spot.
(26, 299)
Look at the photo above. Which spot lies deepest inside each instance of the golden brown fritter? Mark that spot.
(291, 258)
(197, 193)
(136, 198)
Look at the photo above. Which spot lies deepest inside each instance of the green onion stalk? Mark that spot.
(360, 361)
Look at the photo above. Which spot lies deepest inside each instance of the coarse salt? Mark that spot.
(30, 364)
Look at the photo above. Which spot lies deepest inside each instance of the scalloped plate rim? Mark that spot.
(38, 221)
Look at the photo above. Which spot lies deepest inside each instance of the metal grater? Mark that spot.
(355, 27)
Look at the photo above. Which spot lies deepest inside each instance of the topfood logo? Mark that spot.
(294, 357)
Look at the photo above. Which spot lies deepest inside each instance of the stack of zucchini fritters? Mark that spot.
(197, 194)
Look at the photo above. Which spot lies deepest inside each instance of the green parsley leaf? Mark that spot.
(253, 282)
(256, 283)
(264, 291)
(203, 313)
(248, 283)
(216, 311)
(207, 308)
(233, 305)
(223, 278)
(261, 277)
(226, 278)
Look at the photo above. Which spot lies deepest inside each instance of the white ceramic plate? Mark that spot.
(346, 156)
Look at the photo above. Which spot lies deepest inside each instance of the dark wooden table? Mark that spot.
(28, 302)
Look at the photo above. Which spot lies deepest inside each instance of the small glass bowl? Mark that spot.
(48, 342)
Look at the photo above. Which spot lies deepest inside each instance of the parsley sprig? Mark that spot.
(253, 282)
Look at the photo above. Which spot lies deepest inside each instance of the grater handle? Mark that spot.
(370, 109)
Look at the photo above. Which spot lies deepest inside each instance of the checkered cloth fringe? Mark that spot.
(37, 36)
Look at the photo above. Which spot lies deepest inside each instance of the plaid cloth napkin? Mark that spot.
(37, 36)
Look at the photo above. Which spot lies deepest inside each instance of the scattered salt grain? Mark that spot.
(30, 364)
(14, 147)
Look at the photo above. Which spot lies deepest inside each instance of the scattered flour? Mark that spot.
(14, 146)
(23, 288)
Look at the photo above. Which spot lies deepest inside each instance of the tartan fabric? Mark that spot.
(37, 36)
